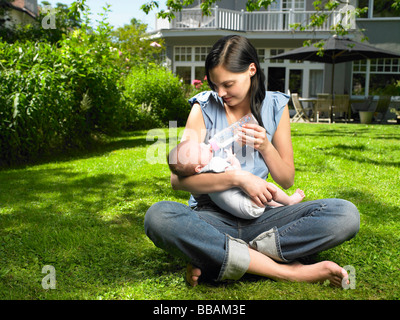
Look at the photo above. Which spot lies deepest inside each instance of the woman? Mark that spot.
(219, 246)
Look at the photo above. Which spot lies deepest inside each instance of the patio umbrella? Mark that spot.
(337, 50)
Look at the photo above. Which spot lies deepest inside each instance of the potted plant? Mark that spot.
(365, 109)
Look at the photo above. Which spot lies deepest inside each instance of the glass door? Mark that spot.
(276, 79)
(296, 81)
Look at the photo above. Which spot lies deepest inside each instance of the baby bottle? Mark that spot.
(230, 134)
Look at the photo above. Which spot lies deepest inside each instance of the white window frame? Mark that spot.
(192, 63)
(305, 66)
(371, 13)
(286, 5)
(370, 64)
(178, 52)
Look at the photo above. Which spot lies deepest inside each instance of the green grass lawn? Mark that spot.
(84, 214)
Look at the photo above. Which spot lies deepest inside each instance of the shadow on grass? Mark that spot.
(98, 147)
(376, 213)
(349, 130)
(354, 153)
(90, 228)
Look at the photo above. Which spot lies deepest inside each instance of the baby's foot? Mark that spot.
(297, 197)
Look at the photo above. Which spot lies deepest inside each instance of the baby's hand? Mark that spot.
(231, 158)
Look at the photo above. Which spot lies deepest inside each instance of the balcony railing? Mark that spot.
(248, 21)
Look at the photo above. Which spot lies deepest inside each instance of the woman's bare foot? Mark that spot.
(318, 272)
(192, 275)
(295, 271)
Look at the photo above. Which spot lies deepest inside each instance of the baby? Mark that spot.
(190, 157)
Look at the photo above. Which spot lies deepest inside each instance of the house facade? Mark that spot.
(190, 36)
(21, 12)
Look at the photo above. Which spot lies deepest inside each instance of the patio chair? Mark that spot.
(300, 112)
(382, 108)
(342, 105)
(323, 107)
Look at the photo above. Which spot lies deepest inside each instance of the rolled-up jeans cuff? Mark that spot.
(237, 259)
(268, 243)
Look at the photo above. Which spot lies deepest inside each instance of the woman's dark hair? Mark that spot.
(236, 53)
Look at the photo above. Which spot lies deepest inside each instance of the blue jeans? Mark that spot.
(217, 242)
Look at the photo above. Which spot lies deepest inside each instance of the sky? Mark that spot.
(122, 11)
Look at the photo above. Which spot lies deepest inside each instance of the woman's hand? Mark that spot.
(254, 136)
(277, 154)
(259, 190)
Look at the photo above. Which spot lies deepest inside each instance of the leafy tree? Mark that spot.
(134, 45)
(66, 19)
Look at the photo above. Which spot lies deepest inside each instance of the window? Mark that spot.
(377, 66)
(261, 55)
(183, 53)
(200, 53)
(358, 84)
(200, 73)
(383, 8)
(384, 73)
(293, 4)
(360, 66)
(279, 5)
(189, 62)
(385, 65)
(378, 9)
(299, 5)
(296, 81)
(184, 73)
(274, 52)
(381, 73)
(383, 84)
(276, 79)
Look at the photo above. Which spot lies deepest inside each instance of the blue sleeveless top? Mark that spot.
(214, 115)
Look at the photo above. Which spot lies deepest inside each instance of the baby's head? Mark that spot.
(189, 157)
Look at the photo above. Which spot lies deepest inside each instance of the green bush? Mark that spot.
(155, 96)
(138, 117)
(90, 68)
(55, 97)
(30, 87)
(60, 95)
